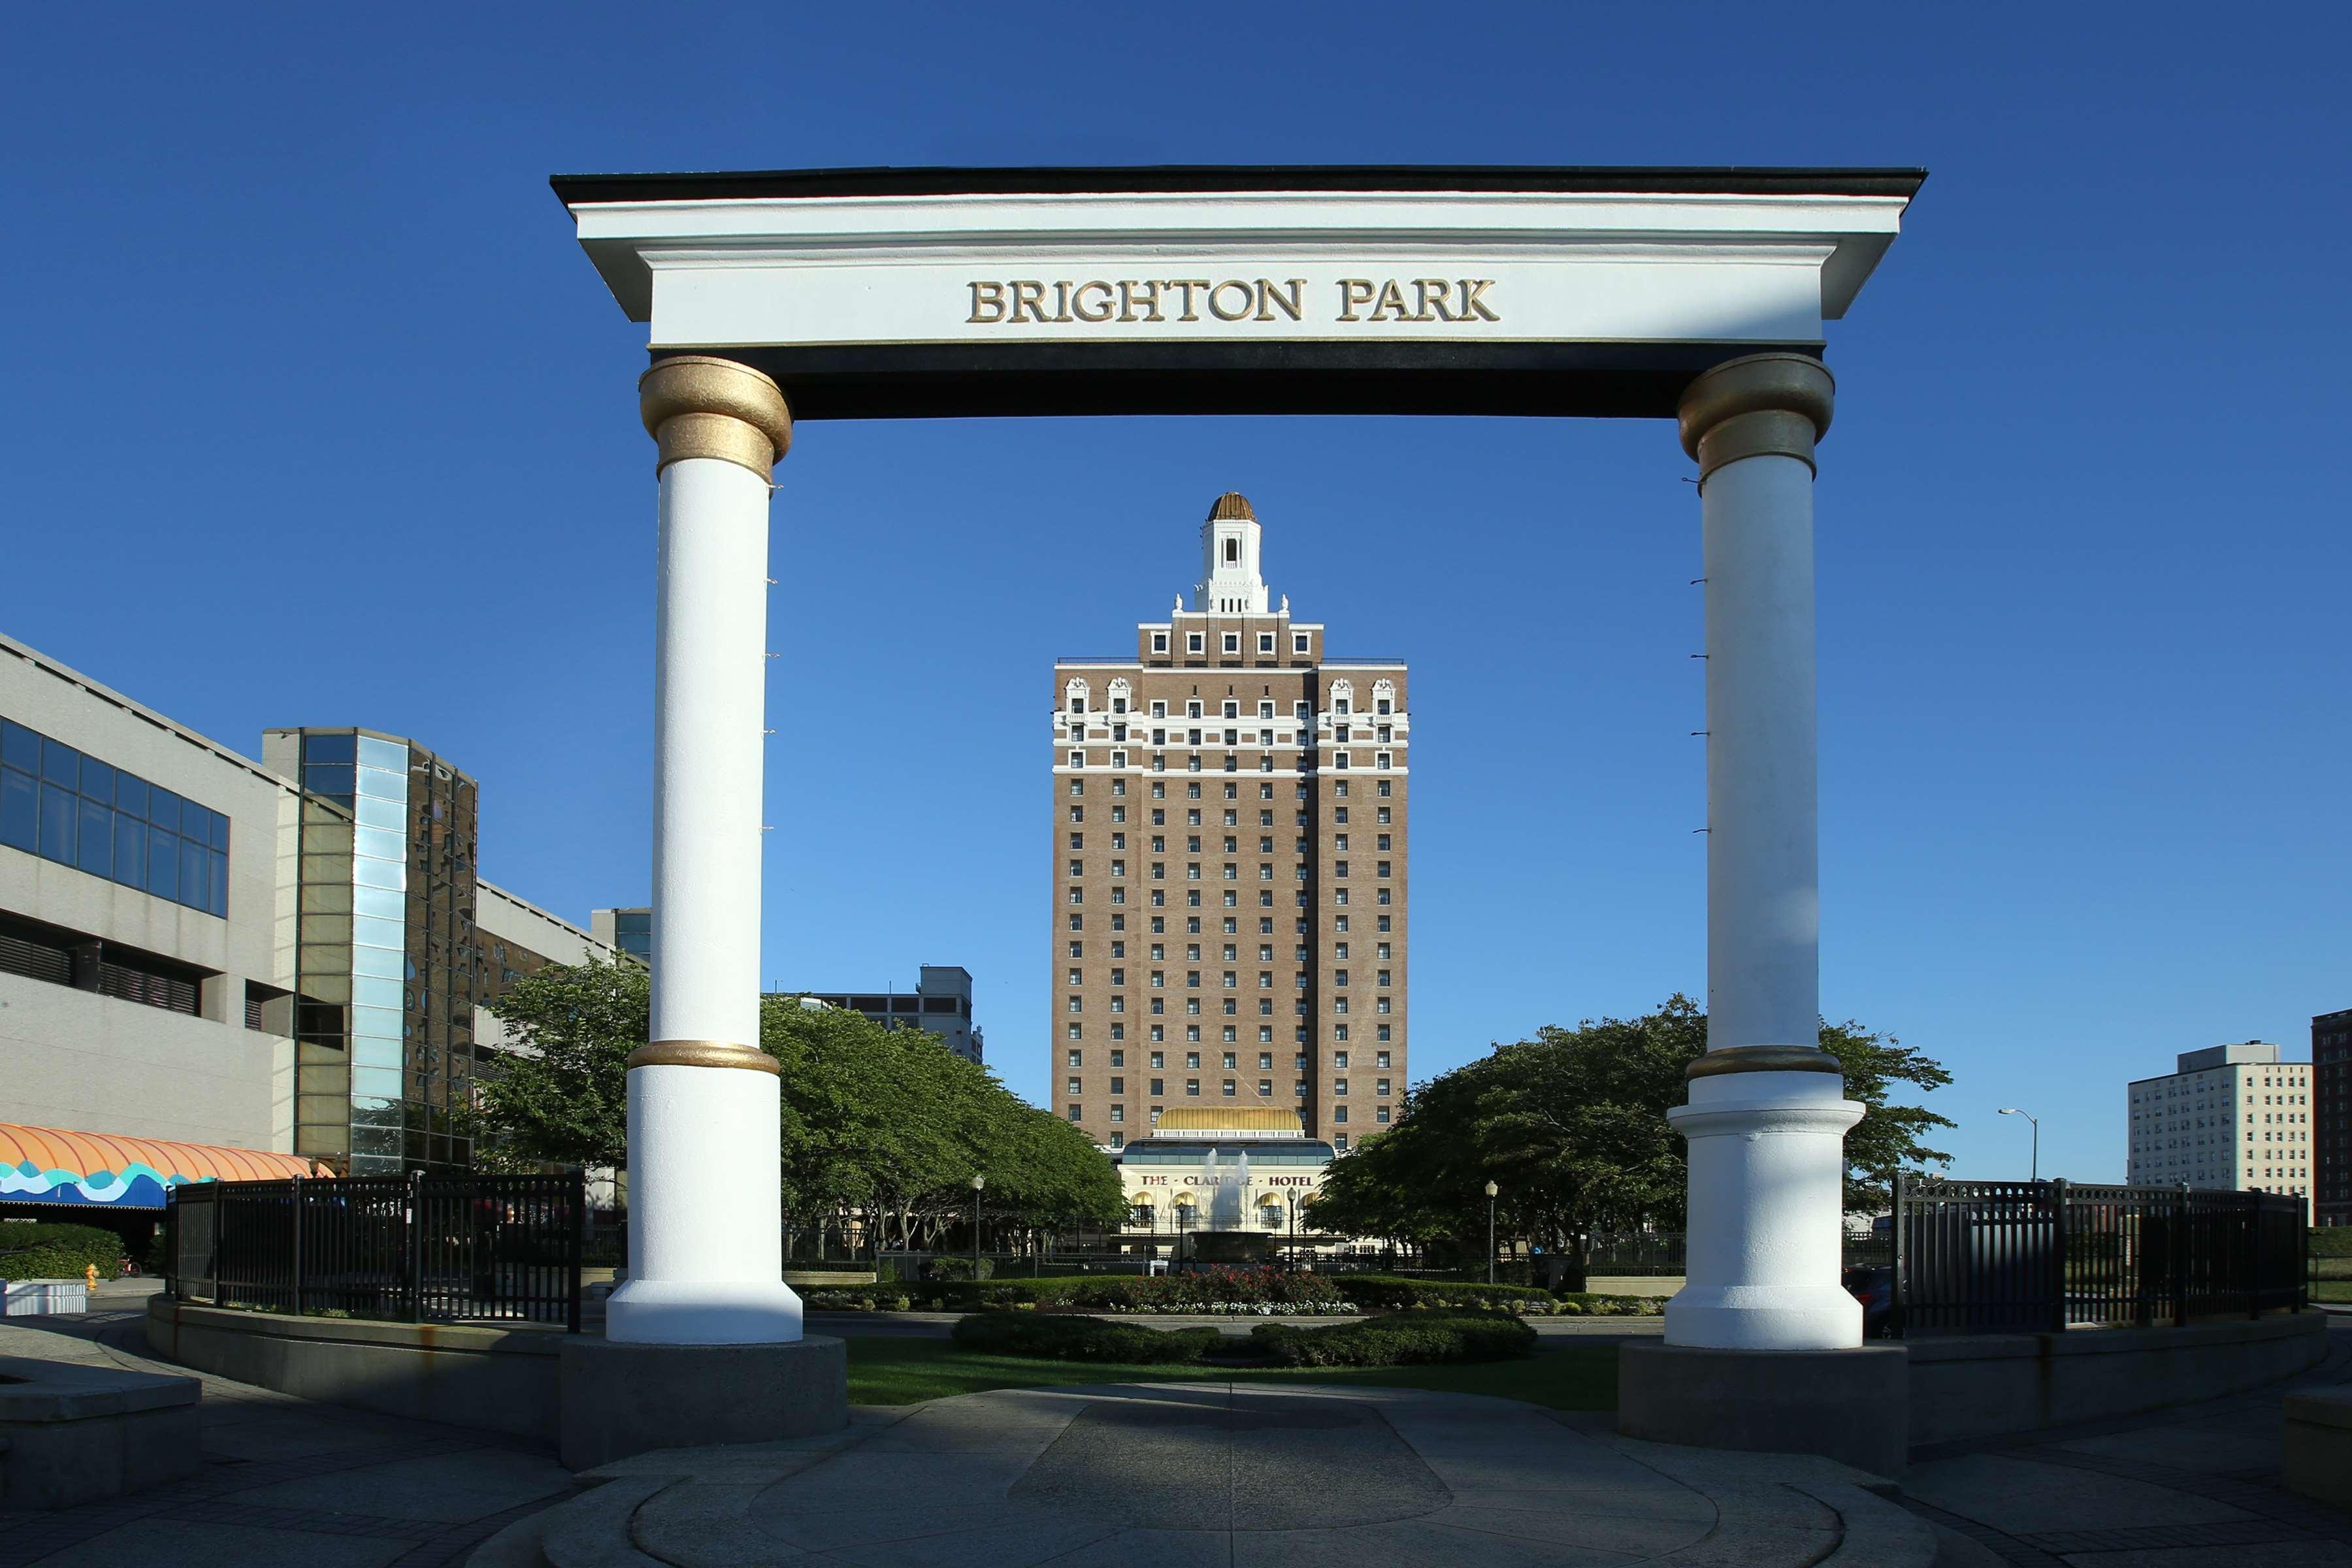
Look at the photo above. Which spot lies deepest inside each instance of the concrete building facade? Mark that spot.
(2331, 1094)
(2231, 1117)
(1230, 874)
(286, 955)
(939, 1004)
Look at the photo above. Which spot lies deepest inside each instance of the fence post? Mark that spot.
(2177, 1258)
(412, 1239)
(297, 1249)
(2254, 1269)
(1900, 1296)
(2060, 1238)
(571, 1249)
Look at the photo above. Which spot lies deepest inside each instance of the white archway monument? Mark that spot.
(1694, 294)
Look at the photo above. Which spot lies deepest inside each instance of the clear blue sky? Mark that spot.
(318, 416)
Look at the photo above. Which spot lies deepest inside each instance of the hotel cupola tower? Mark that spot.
(1229, 915)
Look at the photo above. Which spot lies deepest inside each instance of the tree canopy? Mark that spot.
(1571, 1127)
(885, 1124)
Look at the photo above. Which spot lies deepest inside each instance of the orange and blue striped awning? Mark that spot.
(103, 1170)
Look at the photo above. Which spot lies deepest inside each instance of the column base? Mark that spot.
(625, 1399)
(1764, 1318)
(1850, 1406)
(703, 1312)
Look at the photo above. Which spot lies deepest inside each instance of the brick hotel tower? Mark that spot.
(1230, 895)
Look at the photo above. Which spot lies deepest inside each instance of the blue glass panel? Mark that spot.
(131, 794)
(220, 831)
(19, 809)
(219, 903)
(327, 781)
(383, 903)
(379, 873)
(378, 933)
(368, 991)
(371, 1112)
(19, 747)
(196, 876)
(96, 780)
(388, 963)
(376, 1054)
(373, 813)
(130, 851)
(327, 748)
(382, 1082)
(377, 843)
(375, 753)
(383, 784)
(60, 763)
(57, 817)
(162, 862)
(95, 853)
(164, 809)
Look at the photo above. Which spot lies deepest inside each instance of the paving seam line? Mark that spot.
(2000, 1544)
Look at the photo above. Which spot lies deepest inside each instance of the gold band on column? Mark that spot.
(1758, 1058)
(703, 1054)
(699, 406)
(1776, 404)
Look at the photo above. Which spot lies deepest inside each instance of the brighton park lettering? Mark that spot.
(1019, 300)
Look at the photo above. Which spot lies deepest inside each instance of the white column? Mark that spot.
(1767, 1115)
(705, 1245)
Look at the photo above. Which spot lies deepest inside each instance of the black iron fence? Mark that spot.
(411, 1249)
(2038, 1257)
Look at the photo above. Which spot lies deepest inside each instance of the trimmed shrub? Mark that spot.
(1083, 1339)
(1401, 1340)
(44, 1251)
(1393, 1290)
(947, 1269)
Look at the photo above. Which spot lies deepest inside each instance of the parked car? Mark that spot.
(1875, 1289)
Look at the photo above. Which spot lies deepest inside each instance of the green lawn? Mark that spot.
(892, 1371)
(2332, 1291)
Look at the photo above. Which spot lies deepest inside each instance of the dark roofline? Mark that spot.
(884, 181)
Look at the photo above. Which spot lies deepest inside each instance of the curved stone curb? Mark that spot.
(1188, 1475)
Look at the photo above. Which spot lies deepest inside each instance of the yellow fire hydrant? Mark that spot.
(89, 1272)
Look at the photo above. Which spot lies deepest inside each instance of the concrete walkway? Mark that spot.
(2192, 1487)
(286, 1483)
(1216, 1475)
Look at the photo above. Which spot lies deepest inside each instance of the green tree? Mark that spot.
(558, 1095)
(1571, 1126)
(880, 1130)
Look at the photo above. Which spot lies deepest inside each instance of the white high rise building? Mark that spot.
(2232, 1117)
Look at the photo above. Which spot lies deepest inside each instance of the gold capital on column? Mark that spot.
(1776, 404)
(697, 405)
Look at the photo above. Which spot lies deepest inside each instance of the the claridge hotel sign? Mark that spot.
(1014, 302)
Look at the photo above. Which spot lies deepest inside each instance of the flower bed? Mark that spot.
(1400, 1339)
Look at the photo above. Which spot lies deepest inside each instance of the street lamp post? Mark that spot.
(1491, 1190)
(977, 1183)
(2035, 1170)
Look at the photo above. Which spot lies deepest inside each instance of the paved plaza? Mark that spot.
(1209, 1473)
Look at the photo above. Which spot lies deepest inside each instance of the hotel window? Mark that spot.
(1338, 1113)
(1378, 1087)
(1299, 642)
(1075, 1032)
(1156, 1084)
(1193, 1087)
(1382, 791)
(1160, 642)
(1074, 1058)
(1193, 642)
(1380, 1113)
(1077, 759)
(1299, 1088)
(1381, 1060)
(1074, 1086)
(1075, 1115)
(1232, 642)
(1229, 1089)
(1266, 642)
(1118, 1112)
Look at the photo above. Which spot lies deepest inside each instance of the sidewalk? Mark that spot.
(2193, 1487)
(286, 1483)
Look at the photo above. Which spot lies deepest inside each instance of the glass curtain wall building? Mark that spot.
(388, 967)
